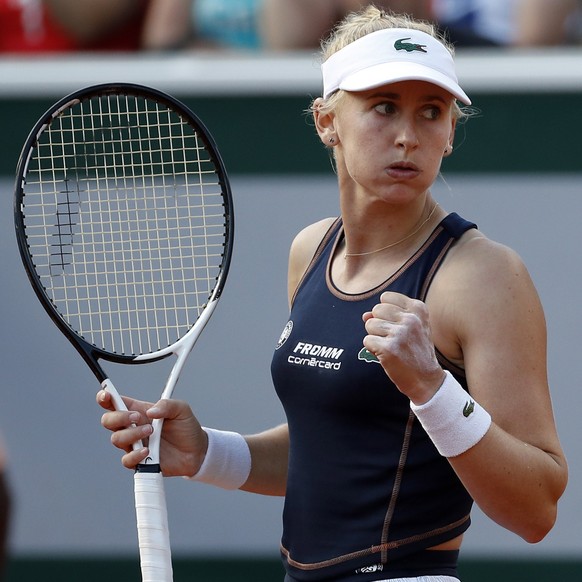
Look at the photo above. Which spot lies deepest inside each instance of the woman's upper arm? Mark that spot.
(501, 331)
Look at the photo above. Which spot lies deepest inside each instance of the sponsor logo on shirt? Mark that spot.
(316, 356)
(285, 334)
(367, 356)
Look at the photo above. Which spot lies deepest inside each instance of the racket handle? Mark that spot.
(152, 527)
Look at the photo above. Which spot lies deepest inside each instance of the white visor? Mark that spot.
(389, 56)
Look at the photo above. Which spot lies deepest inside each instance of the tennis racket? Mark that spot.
(124, 221)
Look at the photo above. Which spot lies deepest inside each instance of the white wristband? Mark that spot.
(228, 460)
(452, 418)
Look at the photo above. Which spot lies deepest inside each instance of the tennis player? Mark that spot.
(412, 368)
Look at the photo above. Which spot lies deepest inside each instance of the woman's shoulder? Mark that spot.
(303, 249)
(482, 284)
(478, 267)
(311, 235)
(477, 255)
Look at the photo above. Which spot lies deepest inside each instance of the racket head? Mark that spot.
(124, 220)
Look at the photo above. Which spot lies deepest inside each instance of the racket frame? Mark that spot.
(150, 502)
(89, 352)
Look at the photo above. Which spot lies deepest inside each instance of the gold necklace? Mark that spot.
(410, 235)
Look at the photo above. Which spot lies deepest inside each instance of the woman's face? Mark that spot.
(391, 140)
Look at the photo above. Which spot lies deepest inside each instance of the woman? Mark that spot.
(412, 369)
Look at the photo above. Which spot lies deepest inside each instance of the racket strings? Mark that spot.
(125, 220)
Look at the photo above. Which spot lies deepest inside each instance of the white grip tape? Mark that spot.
(452, 418)
(227, 463)
(152, 527)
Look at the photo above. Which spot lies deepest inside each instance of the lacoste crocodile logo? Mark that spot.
(468, 408)
(409, 47)
(367, 356)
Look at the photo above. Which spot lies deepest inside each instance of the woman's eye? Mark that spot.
(385, 108)
(432, 112)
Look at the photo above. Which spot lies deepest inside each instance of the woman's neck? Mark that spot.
(377, 228)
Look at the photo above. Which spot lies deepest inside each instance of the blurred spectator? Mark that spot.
(506, 23)
(301, 24)
(547, 23)
(477, 22)
(39, 26)
(254, 24)
(176, 24)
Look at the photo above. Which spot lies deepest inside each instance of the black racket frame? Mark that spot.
(89, 352)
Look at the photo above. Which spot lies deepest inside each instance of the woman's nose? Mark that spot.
(406, 136)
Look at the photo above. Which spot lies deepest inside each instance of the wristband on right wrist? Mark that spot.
(452, 419)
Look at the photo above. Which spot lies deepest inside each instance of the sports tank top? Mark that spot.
(366, 487)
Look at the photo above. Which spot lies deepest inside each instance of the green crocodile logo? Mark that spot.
(469, 408)
(409, 47)
(367, 356)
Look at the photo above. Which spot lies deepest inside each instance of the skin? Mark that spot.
(482, 312)
(540, 24)
(167, 24)
(300, 24)
(89, 21)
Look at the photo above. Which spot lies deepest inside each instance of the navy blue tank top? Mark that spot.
(367, 491)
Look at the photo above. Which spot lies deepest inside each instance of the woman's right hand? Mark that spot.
(183, 442)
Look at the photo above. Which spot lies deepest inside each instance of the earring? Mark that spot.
(449, 149)
(332, 140)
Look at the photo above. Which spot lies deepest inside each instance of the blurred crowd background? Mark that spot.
(56, 26)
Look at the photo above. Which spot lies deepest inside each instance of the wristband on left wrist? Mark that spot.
(452, 418)
(227, 463)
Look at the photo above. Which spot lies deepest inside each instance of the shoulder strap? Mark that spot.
(323, 248)
(456, 226)
(452, 228)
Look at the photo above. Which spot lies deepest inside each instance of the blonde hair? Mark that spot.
(371, 19)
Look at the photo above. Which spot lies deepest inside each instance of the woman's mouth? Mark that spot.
(402, 170)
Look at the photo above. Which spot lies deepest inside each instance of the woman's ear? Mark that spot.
(324, 123)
